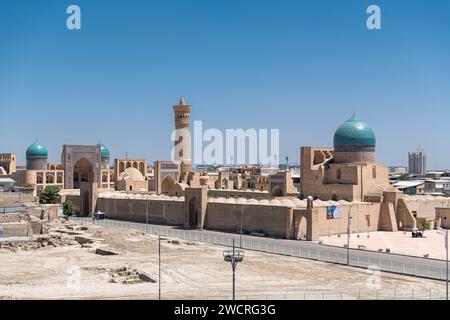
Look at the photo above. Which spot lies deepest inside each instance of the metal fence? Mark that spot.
(10, 209)
(366, 294)
(319, 252)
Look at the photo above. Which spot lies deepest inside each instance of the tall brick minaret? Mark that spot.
(182, 138)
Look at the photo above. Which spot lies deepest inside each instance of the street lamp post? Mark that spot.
(159, 267)
(446, 264)
(348, 236)
(446, 261)
(240, 237)
(146, 218)
(234, 257)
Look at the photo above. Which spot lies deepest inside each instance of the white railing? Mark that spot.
(366, 294)
(326, 254)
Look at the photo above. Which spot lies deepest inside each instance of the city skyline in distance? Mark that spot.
(302, 67)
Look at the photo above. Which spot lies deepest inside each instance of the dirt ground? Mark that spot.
(188, 271)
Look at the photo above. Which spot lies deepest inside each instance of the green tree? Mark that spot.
(49, 195)
(69, 208)
(423, 224)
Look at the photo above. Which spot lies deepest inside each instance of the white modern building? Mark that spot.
(6, 184)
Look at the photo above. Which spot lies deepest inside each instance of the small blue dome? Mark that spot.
(37, 150)
(354, 132)
(104, 151)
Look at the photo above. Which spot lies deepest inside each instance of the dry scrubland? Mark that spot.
(119, 264)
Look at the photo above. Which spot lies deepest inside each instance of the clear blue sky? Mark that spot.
(300, 66)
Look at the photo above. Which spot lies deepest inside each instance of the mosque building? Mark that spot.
(39, 173)
(337, 184)
(349, 170)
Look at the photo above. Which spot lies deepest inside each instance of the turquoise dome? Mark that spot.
(354, 132)
(104, 151)
(37, 150)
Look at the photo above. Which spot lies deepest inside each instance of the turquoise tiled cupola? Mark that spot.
(37, 150)
(354, 132)
(104, 151)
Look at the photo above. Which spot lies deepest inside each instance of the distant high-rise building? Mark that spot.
(417, 162)
(398, 170)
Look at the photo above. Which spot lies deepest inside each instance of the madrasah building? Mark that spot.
(336, 183)
(349, 170)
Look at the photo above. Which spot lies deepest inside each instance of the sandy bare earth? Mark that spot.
(189, 271)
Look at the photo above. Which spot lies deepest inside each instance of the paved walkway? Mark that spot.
(433, 243)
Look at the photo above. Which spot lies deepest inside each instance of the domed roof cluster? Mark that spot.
(137, 196)
(37, 150)
(131, 174)
(104, 151)
(354, 132)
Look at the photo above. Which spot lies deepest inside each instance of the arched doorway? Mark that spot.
(86, 210)
(302, 228)
(167, 184)
(277, 192)
(82, 172)
(193, 212)
(224, 183)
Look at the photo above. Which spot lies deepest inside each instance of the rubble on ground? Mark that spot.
(42, 241)
(127, 275)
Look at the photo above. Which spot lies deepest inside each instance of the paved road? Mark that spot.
(402, 264)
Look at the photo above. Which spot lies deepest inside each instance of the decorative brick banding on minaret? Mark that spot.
(182, 136)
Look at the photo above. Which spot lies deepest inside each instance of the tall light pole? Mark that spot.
(240, 237)
(146, 218)
(159, 267)
(348, 236)
(234, 257)
(446, 261)
(446, 264)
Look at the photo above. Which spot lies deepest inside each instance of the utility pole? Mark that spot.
(159, 267)
(146, 217)
(240, 237)
(446, 260)
(234, 257)
(446, 264)
(234, 275)
(348, 236)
